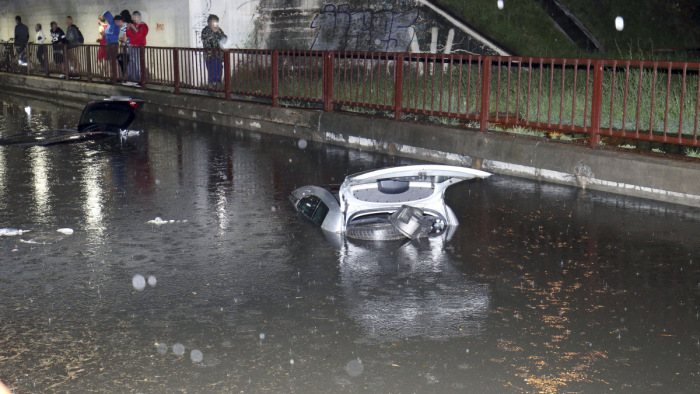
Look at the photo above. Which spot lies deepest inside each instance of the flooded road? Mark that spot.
(542, 288)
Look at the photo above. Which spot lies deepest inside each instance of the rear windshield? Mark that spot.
(111, 116)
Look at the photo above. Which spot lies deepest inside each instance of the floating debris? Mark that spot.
(65, 230)
(11, 232)
(158, 221)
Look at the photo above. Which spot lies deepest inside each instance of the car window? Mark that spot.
(313, 208)
(320, 213)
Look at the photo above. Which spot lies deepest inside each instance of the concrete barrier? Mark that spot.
(666, 179)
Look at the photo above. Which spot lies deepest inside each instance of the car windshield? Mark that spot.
(313, 208)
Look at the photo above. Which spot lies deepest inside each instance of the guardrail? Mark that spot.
(634, 100)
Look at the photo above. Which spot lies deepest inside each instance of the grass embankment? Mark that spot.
(654, 29)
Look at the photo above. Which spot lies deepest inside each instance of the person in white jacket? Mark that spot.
(40, 50)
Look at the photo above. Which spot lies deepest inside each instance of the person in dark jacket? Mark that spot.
(58, 38)
(21, 37)
(212, 37)
(73, 38)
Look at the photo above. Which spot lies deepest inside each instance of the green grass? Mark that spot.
(525, 29)
(521, 27)
(691, 152)
(656, 29)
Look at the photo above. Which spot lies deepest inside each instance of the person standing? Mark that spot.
(212, 38)
(40, 51)
(21, 38)
(58, 39)
(136, 32)
(101, 40)
(112, 40)
(74, 38)
(123, 56)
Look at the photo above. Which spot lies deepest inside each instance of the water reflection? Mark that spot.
(92, 172)
(400, 290)
(39, 164)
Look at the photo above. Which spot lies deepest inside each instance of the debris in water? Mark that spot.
(65, 230)
(158, 221)
(152, 281)
(10, 232)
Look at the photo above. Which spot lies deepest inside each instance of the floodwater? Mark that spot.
(542, 288)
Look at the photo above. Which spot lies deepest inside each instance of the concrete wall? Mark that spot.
(367, 25)
(167, 19)
(663, 179)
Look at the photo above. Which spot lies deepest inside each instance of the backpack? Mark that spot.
(81, 39)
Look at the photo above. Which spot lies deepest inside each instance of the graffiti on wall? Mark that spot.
(382, 31)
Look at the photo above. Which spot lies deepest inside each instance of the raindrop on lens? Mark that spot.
(499, 3)
(152, 281)
(162, 349)
(355, 367)
(139, 282)
(179, 349)
(291, 361)
(262, 335)
(196, 356)
(619, 23)
(157, 181)
(274, 208)
(302, 143)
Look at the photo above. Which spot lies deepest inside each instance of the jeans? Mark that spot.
(20, 52)
(214, 67)
(40, 51)
(134, 66)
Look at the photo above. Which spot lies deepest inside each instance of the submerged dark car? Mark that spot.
(100, 119)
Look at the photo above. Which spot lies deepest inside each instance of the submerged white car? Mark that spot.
(391, 203)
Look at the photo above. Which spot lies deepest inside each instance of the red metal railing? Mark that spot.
(635, 100)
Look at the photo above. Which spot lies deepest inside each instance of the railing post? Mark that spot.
(142, 60)
(596, 103)
(66, 62)
(28, 58)
(327, 80)
(47, 60)
(227, 73)
(485, 93)
(113, 52)
(88, 62)
(176, 71)
(398, 85)
(275, 78)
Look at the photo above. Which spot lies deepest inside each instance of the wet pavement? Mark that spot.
(542, 288)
